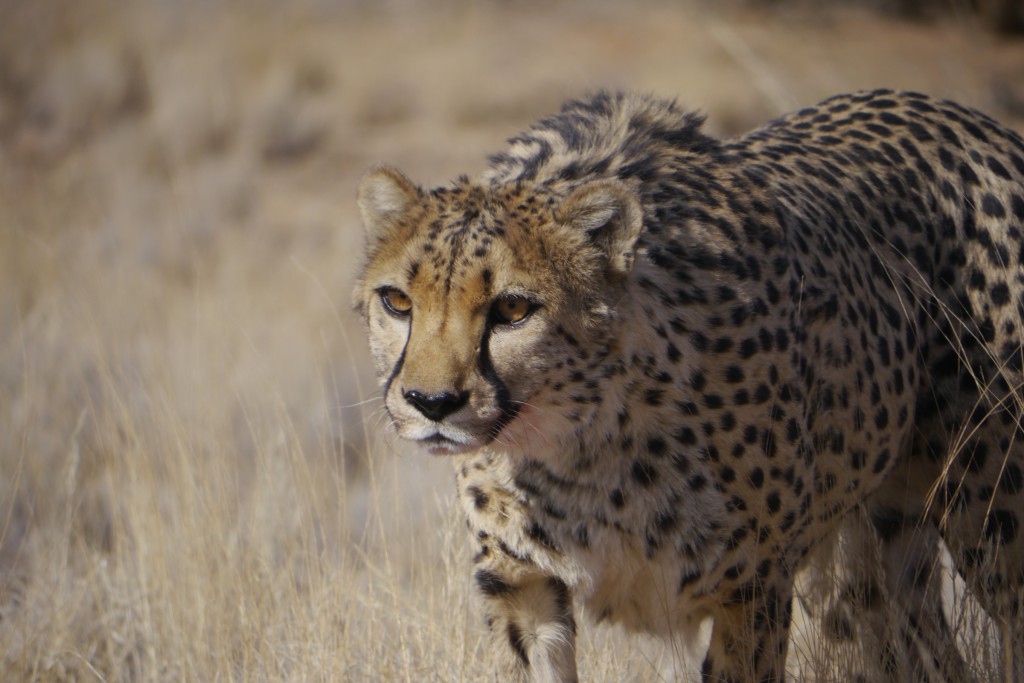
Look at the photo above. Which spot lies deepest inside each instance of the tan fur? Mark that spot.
(730, 348)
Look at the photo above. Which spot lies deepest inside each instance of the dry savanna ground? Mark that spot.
(192, 485)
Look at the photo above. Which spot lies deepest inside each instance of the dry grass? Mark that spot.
(190, 488)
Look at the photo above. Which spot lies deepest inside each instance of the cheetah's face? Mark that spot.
(475, 297)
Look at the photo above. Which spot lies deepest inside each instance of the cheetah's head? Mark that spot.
(488, 305)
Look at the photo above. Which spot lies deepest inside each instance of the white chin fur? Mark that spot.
(441, 439)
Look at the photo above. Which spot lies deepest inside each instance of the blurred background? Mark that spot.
(193, 480)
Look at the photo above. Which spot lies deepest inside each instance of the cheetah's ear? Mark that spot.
(610, 214)
(385, 195)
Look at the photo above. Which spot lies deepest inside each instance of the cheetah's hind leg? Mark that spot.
(883, 607)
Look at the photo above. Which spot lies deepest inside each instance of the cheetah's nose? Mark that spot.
(436, 406)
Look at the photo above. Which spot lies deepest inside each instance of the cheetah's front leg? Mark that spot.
(750, 636)
(533, 631)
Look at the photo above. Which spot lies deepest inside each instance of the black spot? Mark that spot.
(734, 374)
(1000, 294)
(1011, 481)
(883, 352)
(946, 157)
(858, 419)
(480, 499)
(975, 457)
(987, 330)
(888, 523)
(882, 104)
(837, 442)
(490, 584)
(750, 433)
(992, 207)
(653, 396)
(967, 175)
(995, 167)
(644, 473)
(665, 522)
(773, 502)
(1001, 526)
(756, 477)
(857, 458)
(617, 499)
(713, 401)
(656, 446)
(734, 572)
(956, 495)
(1017, 204)
(722, 345)
(686, 436)
(792, 430)
(748, 347)
(881, 461)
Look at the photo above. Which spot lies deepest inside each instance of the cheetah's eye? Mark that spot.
(395, 301)
(511, 309)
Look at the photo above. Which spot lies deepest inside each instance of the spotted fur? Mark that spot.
(731, 348)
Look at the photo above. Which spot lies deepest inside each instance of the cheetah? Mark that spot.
(667, 367)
